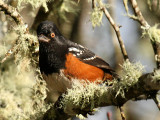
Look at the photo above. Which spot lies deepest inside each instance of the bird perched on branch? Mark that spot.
(62, 61)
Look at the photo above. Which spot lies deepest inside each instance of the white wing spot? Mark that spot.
(74, 49)
(78, 52)
(91, 58)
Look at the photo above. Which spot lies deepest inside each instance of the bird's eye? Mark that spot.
(52, 35)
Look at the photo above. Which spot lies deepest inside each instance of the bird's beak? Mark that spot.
(43, 38)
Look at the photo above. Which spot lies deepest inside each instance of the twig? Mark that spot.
(139, 17)
(11, 11)
(143, 22)
(117, 52)
(9, 52)
(116, 28)
(122, 113)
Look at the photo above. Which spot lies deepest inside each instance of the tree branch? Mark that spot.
(143, 22)
(11, 11)
(138, 13)
(117, 51)
(146, 84)
(155, 44)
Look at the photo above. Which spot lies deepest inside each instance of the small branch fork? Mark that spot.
(156, 46)
(116, 28)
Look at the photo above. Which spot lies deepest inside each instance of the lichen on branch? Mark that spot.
(83, 97)
(22, 95)
(130, 74)
(153, 33)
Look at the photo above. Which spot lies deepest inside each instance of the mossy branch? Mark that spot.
(24, 37)
(83, 98)
(12, 12)
(150, 31)
(145, 84)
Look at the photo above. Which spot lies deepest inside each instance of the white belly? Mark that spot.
(57, 84)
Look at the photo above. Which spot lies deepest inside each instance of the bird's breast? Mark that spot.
(57, 84)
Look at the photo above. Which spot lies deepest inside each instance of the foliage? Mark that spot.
(35, 4)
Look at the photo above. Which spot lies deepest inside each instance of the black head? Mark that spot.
(47, 32)
(52, 49)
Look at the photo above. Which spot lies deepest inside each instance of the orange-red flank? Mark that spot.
(77, 69)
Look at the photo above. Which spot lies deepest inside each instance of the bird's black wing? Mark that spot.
(89, 57)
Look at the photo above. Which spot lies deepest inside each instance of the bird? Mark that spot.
(62, 61)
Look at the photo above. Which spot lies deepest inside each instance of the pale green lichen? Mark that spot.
(97, 13)
(96, 17)
(22, 95)
(35, 4)
(26, 44)
(153, 33)
(129, 76)
(83, 93)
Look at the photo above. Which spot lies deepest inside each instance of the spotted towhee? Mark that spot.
(62, 61)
